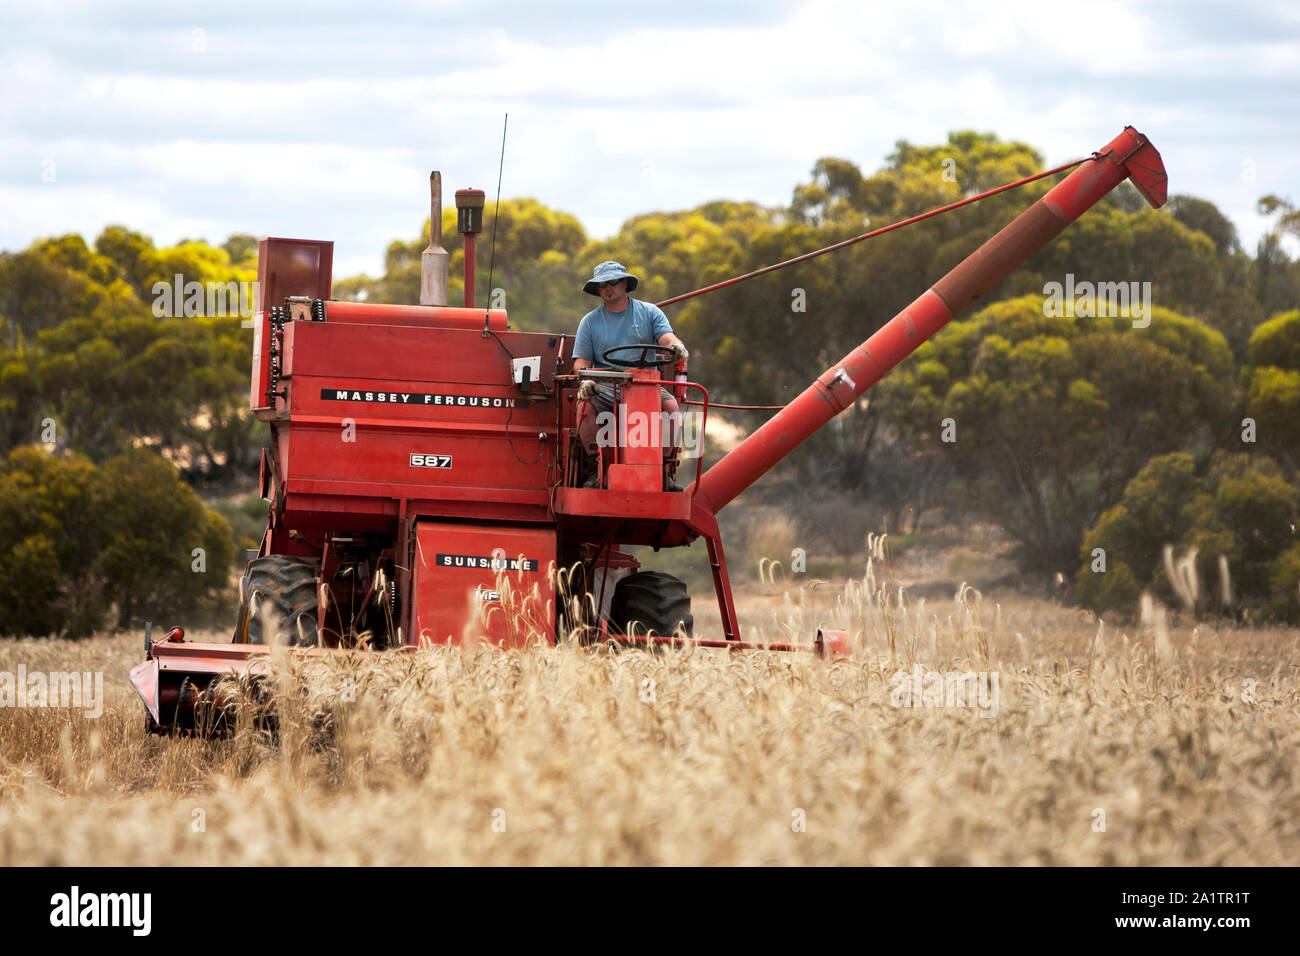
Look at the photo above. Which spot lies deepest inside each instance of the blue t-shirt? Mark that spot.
(639, 324)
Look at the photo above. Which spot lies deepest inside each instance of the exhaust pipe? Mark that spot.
(433, 262)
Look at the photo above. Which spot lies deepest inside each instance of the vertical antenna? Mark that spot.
(492, 259)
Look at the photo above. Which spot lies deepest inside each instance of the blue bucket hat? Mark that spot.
(609, 271)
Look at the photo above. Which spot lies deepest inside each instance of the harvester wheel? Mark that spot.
(651, 601)
(576, 618)
(278, 591)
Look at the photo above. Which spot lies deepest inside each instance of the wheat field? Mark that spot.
(1161, 744)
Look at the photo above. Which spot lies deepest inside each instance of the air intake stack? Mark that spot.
(469, 223)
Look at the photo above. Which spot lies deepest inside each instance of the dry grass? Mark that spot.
(586, 757)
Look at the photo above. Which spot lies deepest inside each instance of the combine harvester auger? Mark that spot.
(423, 469)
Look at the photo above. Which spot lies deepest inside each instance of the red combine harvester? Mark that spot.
(423, 470)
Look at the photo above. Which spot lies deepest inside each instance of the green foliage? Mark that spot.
(1271, 387)
(1277, 342)
(1277, 278)
(1288, 216)
(241, 249)
(131, 252)
(155, 524)
(247, 518)
(1273, 398)
(1133, 532)
(1116, 591)
(46, 567)
(1234, 506)
(1285, 584)
(1055, 414)
(76, 540)
(87, 351)
(1201, 215)
(54, 280)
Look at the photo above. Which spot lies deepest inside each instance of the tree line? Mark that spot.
(1078, 432)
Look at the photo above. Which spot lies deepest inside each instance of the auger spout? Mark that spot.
(1129, 155)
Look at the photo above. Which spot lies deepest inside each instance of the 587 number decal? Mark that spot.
(430, 461)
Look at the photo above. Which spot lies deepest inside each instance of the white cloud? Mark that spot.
(326, 125)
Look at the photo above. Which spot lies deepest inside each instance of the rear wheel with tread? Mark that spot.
(278, 591)
(654, 602)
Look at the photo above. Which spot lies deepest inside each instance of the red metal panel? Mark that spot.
(390, 460)
(657, 505)
(411, 353)
(833, 645)
(386, 492)
(362, 511)
(261, 380)
(480, 582)
(639, 433)
(433, 317)
(288, 267)
(144, 678)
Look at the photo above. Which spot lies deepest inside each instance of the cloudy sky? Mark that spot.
(322, 120)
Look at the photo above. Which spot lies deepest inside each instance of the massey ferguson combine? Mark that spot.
(424, 471)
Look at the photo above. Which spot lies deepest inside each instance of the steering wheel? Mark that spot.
(667, 356)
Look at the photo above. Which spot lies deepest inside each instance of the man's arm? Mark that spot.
(582, 345)
(677, 345)
(666, 336)
(663, 333)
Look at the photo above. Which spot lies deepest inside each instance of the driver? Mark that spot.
(620, 320)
